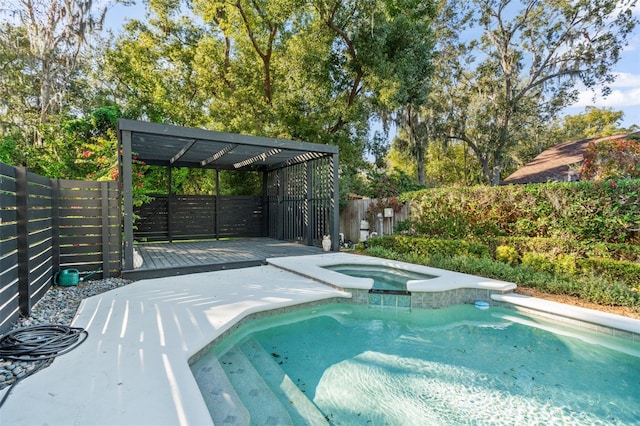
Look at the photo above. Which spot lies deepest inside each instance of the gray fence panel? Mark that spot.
(9, 300)
(199, 217)
(47, 225)
(90, 235)
(357, 210)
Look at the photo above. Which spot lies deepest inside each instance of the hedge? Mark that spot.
(607, 211)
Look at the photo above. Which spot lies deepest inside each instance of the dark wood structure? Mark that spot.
(51, 224)
(299, 201)
(188, 257)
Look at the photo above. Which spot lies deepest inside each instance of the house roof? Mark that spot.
(176, 146)
(558, 163)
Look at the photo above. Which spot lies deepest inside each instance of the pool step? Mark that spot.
(384, 299)
(221, 398)
(301, 409)
(263, 405)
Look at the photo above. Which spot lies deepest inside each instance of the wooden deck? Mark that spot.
(179, 258)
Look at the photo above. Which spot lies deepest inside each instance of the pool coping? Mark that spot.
(314, 267)
(134, 367)
(599, 321)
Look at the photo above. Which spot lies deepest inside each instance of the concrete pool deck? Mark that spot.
(134, 367)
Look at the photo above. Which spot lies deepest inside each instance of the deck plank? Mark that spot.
(164, 259)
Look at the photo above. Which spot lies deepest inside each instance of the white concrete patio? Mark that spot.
(133, 368)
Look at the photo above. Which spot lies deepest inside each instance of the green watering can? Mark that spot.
(67, 277)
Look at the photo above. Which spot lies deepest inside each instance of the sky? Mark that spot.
(625, 91)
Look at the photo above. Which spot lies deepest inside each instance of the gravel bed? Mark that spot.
(58, 306)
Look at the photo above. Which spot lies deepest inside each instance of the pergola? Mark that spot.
(300, 179)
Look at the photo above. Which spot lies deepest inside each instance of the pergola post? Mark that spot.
(335, 221)
(169, 204)
(265, 204)
(280, 233)
(126, 178)
(217, 212)
(308, 205)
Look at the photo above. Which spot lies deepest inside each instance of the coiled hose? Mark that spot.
(39, 343)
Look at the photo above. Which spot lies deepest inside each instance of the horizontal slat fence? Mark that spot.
(36, 216)
(90, 236)
(47, 225)
(192, 217)
(9, 301)
(240, 215)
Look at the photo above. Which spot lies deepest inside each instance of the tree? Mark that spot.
(612, 159)
(523, 66)
(593, 122)
(45, 41)
(314, 71)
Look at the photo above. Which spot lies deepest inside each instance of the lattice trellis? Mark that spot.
(301, 201)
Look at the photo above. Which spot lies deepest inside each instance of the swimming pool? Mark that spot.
(348, 364)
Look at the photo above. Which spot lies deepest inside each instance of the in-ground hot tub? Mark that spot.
(424, 287)
(385, 279)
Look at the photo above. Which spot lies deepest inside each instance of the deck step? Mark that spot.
(223, 402)
(263, 405)
(301, 409)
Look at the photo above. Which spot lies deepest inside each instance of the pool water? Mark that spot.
(458, 365)
(384, 278)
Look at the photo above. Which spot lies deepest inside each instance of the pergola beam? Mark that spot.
(218, 155)
(259, 157)
(183, 151)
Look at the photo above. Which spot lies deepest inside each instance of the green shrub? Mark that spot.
(565, 264)
(429, 246)
(507, 254)
(578, 249)
(606, 211)
(624, 272)
(538, 262)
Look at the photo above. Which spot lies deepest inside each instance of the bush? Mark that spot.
(507, 254)
(538, 262)
(606, 211)
(429, 246)
(613, 270)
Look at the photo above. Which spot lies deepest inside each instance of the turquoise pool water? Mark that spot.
(384, 278)
(458, 365)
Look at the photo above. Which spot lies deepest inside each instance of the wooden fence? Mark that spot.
(47, 225)
(190, 217)
(357, 210)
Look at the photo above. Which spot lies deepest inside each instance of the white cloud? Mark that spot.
(626, 79)
(625, 92)
(616, 99)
